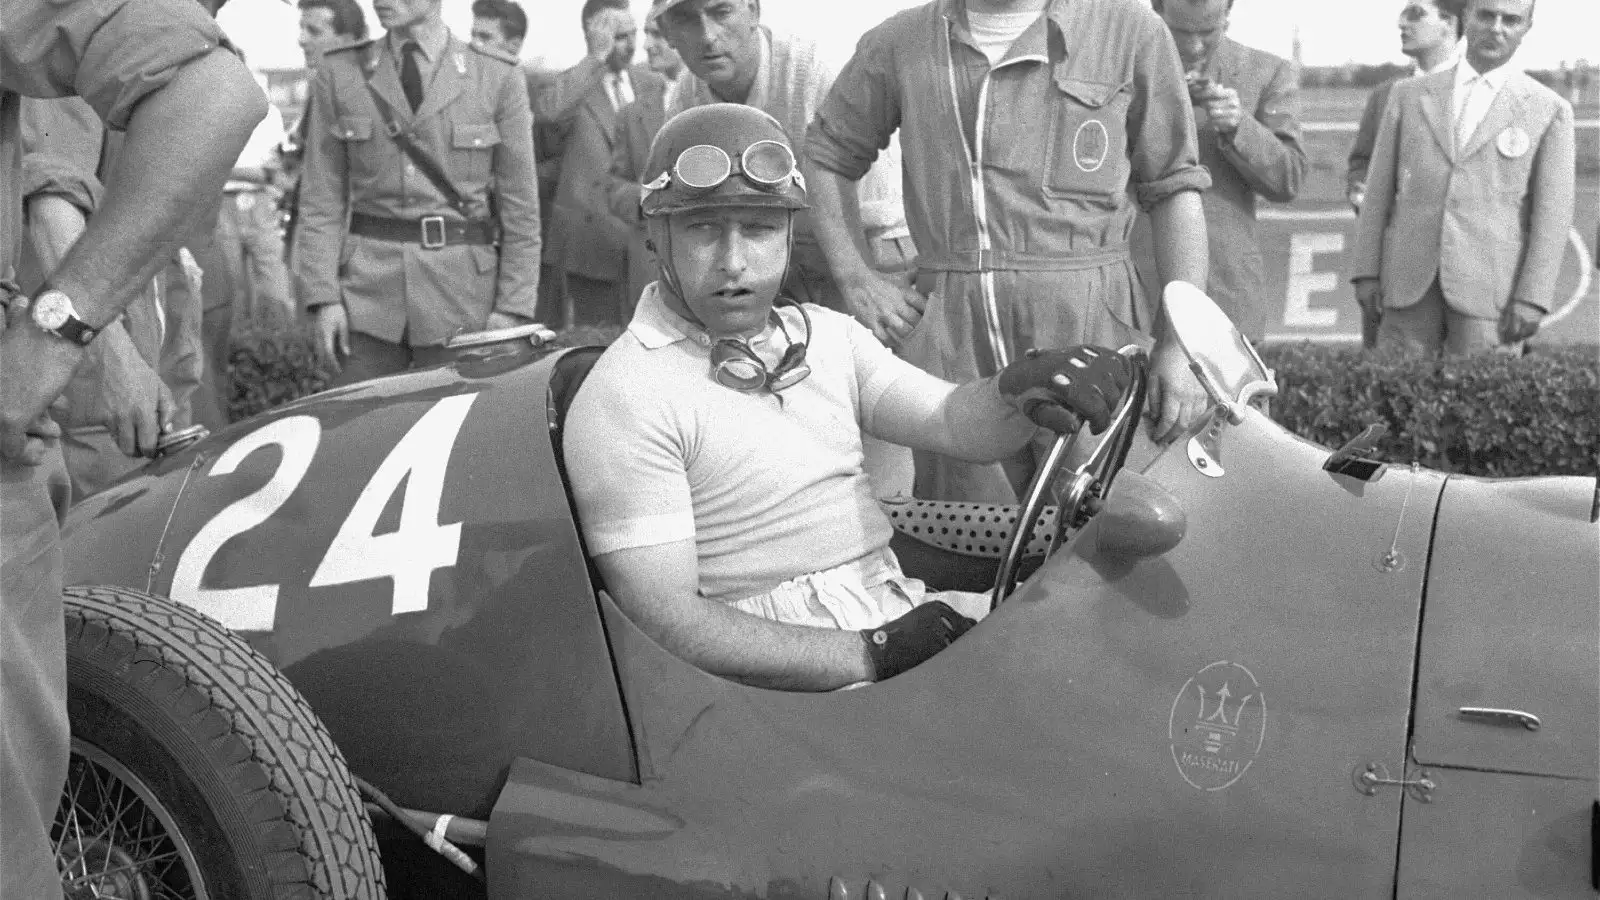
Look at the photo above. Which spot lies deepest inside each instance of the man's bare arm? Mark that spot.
(890, 310)
(181, 142)
(657, 587)
(1175, 397)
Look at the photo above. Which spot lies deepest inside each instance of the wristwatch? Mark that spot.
(53, 311)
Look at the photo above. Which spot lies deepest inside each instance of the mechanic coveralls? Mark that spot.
(377, 235)
(1023, 236)
(113, 54)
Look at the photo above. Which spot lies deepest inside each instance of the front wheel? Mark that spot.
(197, 770)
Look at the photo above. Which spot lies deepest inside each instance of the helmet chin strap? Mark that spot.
(667, 266)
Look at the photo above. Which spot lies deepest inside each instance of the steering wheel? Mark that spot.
(1091, 482)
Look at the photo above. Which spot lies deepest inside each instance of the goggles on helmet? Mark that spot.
(736, 366)
(769, 165)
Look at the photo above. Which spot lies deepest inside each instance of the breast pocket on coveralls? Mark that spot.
(1088, 150)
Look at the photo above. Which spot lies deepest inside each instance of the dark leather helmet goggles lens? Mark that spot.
(765, 164)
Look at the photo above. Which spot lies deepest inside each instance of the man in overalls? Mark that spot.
(1022, 124)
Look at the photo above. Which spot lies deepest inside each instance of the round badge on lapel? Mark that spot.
(1512, 143)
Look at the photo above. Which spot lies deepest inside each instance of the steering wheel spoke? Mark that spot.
(1090, 483)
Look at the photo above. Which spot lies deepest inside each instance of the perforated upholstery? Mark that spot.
(971, 529)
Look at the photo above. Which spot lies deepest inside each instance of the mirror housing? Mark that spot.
(1228, 367)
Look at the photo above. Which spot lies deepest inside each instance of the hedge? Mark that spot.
(1491, 415)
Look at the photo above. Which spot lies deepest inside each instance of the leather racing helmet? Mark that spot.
(721, 155)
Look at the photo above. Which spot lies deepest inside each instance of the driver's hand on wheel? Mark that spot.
(908, 641)
(1055, 388)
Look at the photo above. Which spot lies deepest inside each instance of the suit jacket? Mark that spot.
(1360, 158)
(1263, 158)
(475, 121)
(586, 236)
(637, 124)
(1490, 220)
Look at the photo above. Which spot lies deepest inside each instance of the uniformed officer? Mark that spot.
(153, 69)
(419, 210)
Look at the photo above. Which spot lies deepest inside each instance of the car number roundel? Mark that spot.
(408, 555)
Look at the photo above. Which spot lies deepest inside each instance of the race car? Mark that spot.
(1243, 666)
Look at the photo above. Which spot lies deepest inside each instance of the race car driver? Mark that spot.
(715, 448)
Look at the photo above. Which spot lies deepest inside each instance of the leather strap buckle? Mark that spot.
(433, 234)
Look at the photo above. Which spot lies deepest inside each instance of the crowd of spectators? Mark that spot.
(1051, 215)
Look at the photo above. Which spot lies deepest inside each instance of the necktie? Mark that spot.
(411, 74)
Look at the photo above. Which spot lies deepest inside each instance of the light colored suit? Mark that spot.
(1262, 159)
(1490, 221)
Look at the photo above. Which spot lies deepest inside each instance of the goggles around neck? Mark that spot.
(736, 366)
(768, 165)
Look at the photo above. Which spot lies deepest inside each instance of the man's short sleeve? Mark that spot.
(113, 53)
(861, 111)
(61, 142)
(626, 464)
(1164, 150)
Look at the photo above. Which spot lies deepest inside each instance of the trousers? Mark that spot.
(34, 734)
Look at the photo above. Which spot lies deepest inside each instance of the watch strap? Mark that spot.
(77, 331)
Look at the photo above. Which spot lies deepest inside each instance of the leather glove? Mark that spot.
(1050, 386)
(907, 641)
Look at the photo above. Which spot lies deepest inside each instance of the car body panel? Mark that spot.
(1506, 626)
(1040, 754)
(1076, 742)
(1492, 834)
(504, 658)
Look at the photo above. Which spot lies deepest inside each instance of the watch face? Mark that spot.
(51, 310)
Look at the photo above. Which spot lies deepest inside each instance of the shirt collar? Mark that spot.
(431, 42)
(1495, 78)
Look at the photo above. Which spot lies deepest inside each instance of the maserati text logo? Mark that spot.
(1218, 723)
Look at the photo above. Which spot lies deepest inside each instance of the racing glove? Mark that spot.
(907, 641)
(1052, 386)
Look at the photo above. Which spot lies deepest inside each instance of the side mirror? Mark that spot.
(1227, 366)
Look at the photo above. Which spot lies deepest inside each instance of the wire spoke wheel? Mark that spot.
(197, 771)
(115, 839)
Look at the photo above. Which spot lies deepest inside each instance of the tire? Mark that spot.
(197, 770)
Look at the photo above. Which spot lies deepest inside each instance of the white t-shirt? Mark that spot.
(769, 487)
(996, 32)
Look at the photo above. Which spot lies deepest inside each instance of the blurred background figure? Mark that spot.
(1430, 34)
(1247, 121)
(586, 236)
(1470, 199)
(499, 26)
(324, 25)
(663, 60)
(250, 229)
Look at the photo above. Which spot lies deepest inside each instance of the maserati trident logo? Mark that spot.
(1217, 727)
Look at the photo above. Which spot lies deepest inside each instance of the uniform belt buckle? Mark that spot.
(433, 234)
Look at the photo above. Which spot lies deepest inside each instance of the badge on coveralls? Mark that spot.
(1090, 145)
(1512, 143)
